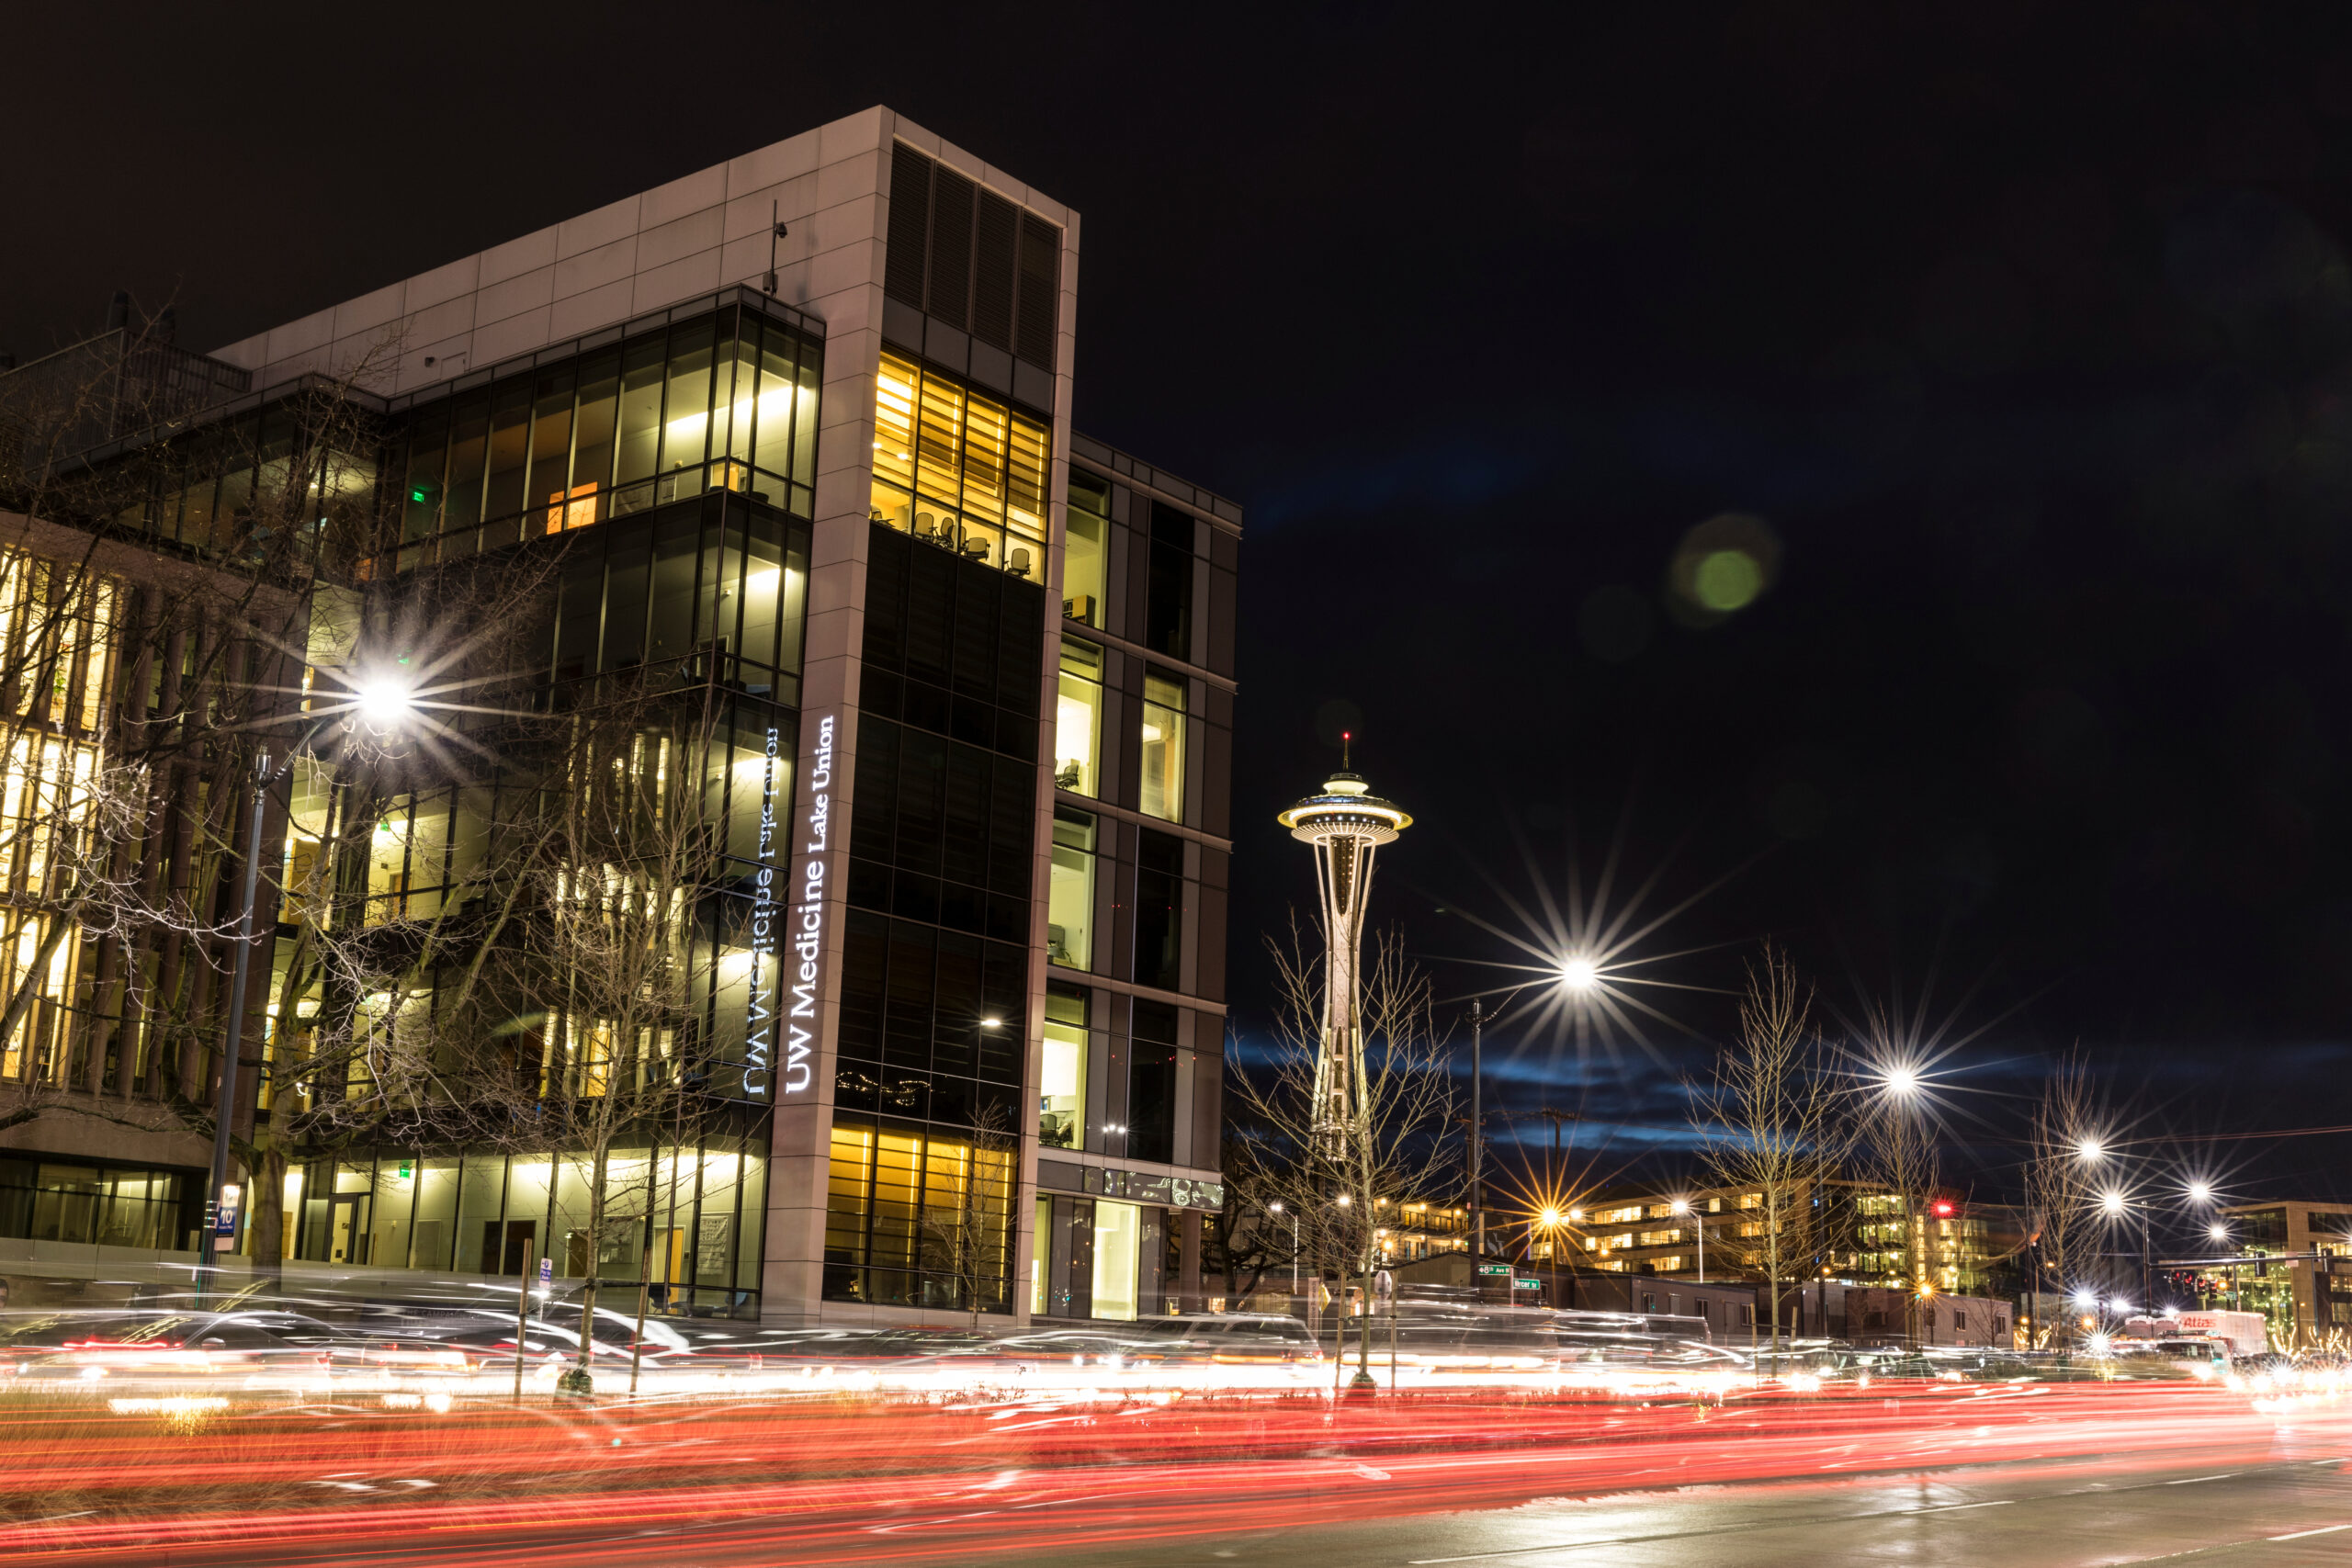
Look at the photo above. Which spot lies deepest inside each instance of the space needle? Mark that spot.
(1344, 824)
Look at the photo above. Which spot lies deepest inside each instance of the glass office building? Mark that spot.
(965, 684)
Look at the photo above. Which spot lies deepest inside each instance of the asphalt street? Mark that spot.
(2285, 1515)
(2286, 1505)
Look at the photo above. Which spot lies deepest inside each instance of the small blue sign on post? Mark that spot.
(547, 1275)
(224, 1218)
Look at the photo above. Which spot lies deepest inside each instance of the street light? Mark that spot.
(2218, 1231)
(2111, 1202)
(2201, 1192)
(2088, 1151)
(1903, 1082)
(1682, 1206)
(1579, 974)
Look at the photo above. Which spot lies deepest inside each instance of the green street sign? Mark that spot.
(1529, 1284)
(1494, 1268)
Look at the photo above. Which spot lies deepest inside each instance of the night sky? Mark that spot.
(2017, 342)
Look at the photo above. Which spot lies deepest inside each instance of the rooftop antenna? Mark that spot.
(775, 232)
(1345, 737)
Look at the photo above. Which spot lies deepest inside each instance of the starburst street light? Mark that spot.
(2111, 1201)
(2201, 1192)
(2088, 1151)
(1579, 974)
(382, 703)
(2219, 1233)
(1902, 1080)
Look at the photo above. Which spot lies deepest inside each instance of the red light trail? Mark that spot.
(923, 1483)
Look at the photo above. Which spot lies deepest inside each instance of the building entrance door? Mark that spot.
(501, 1245)
(347, 1229)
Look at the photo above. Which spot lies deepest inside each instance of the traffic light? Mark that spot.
(1942, 1208)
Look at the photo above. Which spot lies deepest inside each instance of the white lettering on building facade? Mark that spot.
(806, 918)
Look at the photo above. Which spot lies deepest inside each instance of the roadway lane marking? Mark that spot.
(1955, 1507)
(2193, 1480)
(2326, 1529)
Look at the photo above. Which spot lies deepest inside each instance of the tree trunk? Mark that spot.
(269, 1213)
(588, 1290)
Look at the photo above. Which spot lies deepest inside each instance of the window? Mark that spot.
(1159, 909)
(1751, 1200)
(1078, 718)
(1151, 1084)
(957, 470)
(1061, 1084)
(1088, 525)
(1162, 795)
(1167, 593)
(1070, 906)
(1661, 1238)
(1118, 1228)
(111, 1206)
(911, 1221)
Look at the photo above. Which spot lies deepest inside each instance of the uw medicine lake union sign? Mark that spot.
(803, 883)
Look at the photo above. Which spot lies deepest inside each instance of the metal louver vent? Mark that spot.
(992, 272)
(1041, 254)
(951, 247)
(909, 223)
(971, 259)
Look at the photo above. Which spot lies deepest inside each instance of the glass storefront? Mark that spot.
(916, 1219)
(698, 1210)
(104, 1206)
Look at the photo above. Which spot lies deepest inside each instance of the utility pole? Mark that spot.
(1477, 1125)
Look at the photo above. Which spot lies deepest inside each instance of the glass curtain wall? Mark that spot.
(959, 471)
(65, 621)
(725, 401)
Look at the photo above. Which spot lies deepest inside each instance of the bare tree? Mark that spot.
(153, 605)
(1771, 1121)
(2061, 1193)
(967, 1207)
(1399, 1153)
(1250, 1236)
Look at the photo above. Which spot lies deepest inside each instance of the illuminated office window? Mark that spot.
(1062, 1085)
(1069, 910)
(959, 471)
(1078, 718)
(1162, 795)
(1087, 527)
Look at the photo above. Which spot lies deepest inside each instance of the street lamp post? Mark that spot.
(383, 705)
(1477, 1202)
(1698, 1229)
